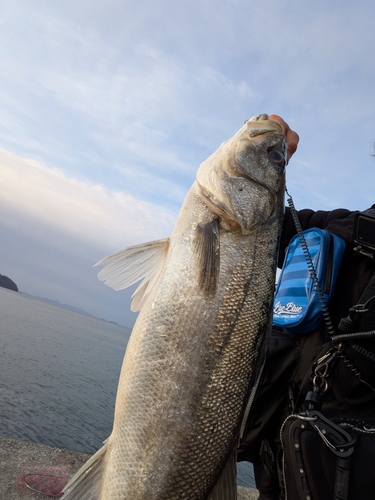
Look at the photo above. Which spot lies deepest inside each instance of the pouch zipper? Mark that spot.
(329, 267)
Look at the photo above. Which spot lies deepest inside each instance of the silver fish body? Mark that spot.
(191, 359)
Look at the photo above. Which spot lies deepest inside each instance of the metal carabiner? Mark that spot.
(320, 382)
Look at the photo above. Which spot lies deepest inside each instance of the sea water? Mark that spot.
(59, 372)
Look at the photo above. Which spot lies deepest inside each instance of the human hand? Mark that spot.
(291, 137)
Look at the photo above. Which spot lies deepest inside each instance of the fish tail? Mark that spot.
(86, 483)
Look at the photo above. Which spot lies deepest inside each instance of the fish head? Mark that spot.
(244, 180)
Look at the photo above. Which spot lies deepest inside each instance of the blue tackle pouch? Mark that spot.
(296, 303)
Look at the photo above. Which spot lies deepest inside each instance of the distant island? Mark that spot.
(6, 282)
(72, 308)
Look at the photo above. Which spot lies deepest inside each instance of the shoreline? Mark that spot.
(22, 463)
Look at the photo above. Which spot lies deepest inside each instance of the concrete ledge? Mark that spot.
(25, 465)
(43, 467)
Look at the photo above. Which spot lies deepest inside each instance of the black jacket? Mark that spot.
(290, 357)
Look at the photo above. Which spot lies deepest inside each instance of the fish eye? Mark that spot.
(277, 157)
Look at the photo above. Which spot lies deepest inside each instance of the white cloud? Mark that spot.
(77, 207)
(55, 227)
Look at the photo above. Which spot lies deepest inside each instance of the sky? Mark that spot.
(107, 108)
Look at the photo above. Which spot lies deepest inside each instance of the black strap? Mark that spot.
(368, 292)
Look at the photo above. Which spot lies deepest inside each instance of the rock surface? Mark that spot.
(41, 467)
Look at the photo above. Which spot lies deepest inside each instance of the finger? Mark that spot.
(292, 137)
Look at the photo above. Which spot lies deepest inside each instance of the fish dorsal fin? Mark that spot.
(207, 248)
(226, 486)
(87, 482)
(140, 262)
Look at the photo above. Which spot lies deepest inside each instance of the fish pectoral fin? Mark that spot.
(140, 262)
(226, 486)
(86, 483)
(207, 249)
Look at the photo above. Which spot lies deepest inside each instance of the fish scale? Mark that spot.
(192, 356)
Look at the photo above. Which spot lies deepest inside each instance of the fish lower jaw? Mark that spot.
(232, 174)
